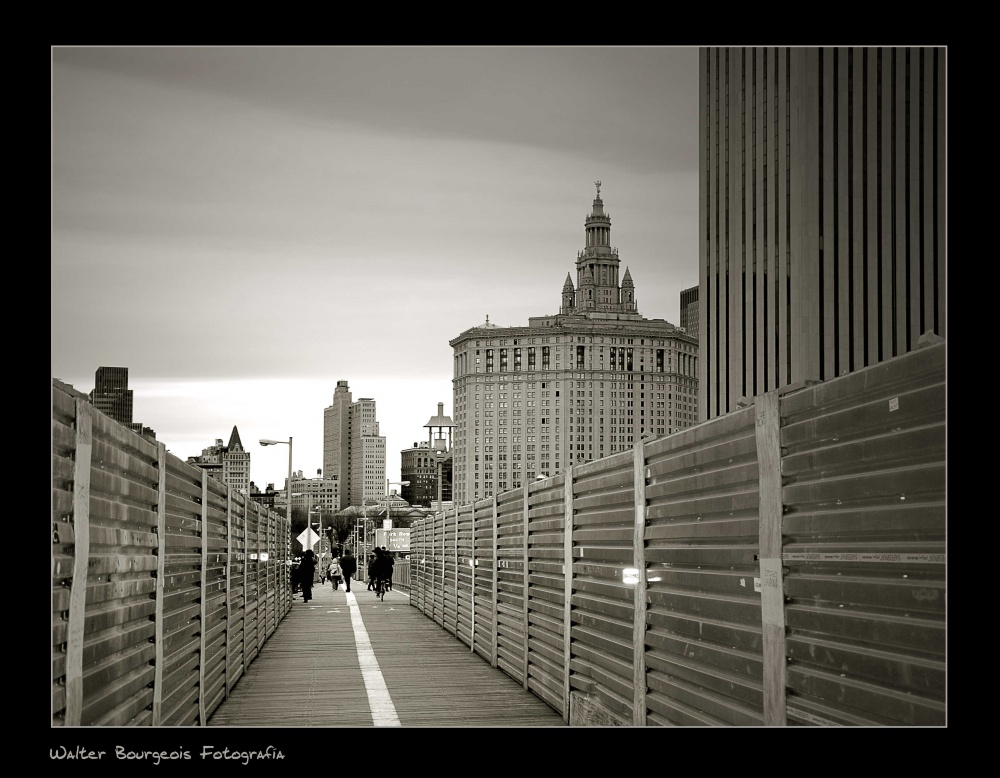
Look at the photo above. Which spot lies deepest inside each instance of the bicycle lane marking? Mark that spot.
(383, 711)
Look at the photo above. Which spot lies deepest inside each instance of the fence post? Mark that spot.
(472, 600)
(229, 561)
(496, 573)
(772, 595)
(567, 583)
(262, 634)
(524, 588)
(456, 572)
(639, 617)
(246, 575)
(84, 446)
(161, 583)
(203, 599)
(433, 577)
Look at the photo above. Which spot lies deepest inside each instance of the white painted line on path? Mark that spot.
(383, 711)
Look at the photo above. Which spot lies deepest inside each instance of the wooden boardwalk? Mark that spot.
(316, 670)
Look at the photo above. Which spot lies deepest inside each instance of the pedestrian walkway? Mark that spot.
(352, 660)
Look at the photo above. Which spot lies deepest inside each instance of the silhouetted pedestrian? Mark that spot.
(372, 556)
(348, 566)
(307, 569)
(389, 564)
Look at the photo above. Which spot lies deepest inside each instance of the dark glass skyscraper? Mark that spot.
(111, 395)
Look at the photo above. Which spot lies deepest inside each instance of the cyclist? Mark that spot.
(380, 572)
(390, 563)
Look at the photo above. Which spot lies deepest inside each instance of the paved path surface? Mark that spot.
(351, 660)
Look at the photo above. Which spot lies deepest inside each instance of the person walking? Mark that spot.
(348, 566)
(372, 557)
(333, 573)
(307, 569)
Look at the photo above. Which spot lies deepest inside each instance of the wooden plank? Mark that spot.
(639, 602)
(81, 562)
(768, 421)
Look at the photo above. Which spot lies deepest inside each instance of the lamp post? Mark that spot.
(320, 556)
(288, 488)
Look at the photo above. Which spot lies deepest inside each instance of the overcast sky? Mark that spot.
(242, 227)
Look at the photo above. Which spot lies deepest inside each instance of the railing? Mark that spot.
(781, 565)
(401, 575)
(165, 583)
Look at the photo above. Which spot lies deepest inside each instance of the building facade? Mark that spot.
(320, 492)
(822, 206)
(587, 382)
(353, 450)
(229, 464)
(419, 466)
(236, 464)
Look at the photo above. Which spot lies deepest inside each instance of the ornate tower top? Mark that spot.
(597, 288)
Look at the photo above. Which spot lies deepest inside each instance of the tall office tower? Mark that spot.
(111, 395)
(587, 382)
(822, 213)
(353, 450)
(689, 311)
(236, 464)
(368, 453)
(337, 440)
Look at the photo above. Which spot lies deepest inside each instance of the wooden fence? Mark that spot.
(781, 565)
(165, 583)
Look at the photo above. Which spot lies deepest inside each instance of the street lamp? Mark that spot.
(288, 488)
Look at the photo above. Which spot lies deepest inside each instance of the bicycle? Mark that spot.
(380, 588)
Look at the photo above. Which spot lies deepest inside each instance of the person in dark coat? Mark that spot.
(372, 557)
(348, 566)
(377, 571)
(307, 569)
(389, 564)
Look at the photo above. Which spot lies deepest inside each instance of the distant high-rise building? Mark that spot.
(111, 395)
(419, 465)
(689, 311)
(579, 385)
(210, 459)
(229, 464)
(353, 450)
(319, 492)
(822, 213)
(236, 464)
